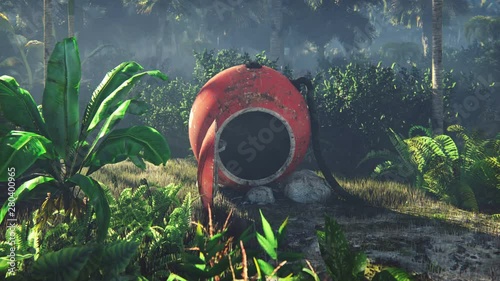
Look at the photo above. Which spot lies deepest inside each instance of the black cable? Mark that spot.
(315, 139)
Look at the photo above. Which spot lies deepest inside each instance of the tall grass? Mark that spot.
(390, 195)
(178, 171)
(409, 200)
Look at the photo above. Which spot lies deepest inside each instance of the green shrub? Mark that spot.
(209, 63)
(60, 252)
(358, 102)
(147, 233)
(170, 105)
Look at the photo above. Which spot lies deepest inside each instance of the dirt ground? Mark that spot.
(432, 249)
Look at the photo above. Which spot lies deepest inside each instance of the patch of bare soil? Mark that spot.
(431, 249)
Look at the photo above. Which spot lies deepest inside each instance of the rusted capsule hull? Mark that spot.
(254, 122)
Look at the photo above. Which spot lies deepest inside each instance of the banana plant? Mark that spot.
(56, 151)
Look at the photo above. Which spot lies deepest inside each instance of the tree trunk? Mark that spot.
(71, 18)
(48, 34)
(437, 67)
(79, 18)
(277, 48)
(427, 29)
(162, 21)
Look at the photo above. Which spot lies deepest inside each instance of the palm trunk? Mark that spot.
(79, 18)
(277, 48)
(48, 33)
(162, 21)
(437, 67)
(71, 18)
(427, 29)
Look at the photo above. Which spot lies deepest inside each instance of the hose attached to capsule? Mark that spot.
(315, 139)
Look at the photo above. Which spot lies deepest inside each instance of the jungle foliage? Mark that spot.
(147, 231)
(357, 102)
(464, 172)
(54, 151)
(152, 237)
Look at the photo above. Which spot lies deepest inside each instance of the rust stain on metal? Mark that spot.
(239, 88)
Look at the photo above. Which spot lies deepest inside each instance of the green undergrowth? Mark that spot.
(390, 195)
(177, 171)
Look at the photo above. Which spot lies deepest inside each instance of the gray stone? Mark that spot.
(305, 186)
(260, 195)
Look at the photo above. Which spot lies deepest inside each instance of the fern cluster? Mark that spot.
(454, 171)
(146, 234)
(155, 218)
(53, 255)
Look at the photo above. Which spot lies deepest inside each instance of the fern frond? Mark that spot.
(394, 171)
(455, 128)
(424, 151)
(448, 147)
(21, 237)
(427, 132)
(486, 172)
(401, 147)
(384, 154)
(467, 197)
(172, 191)
(383, 169)
(55, 238)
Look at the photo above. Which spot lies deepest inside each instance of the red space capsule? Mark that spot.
(253, 122)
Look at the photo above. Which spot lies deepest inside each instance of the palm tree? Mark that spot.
(437, 66)
(71, 18)
(419, 13)
(48, 33)
(277, 45)
(321, 21)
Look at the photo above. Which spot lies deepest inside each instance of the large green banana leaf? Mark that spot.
(111, 81)
(111, 121)
(22, 192)
(137, 141)
(60, 97)
(19, 107)
(121, 78)
(115, 97)
(128, 106)
(20, 150)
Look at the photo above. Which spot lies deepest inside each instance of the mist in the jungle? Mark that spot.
(164, 34)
